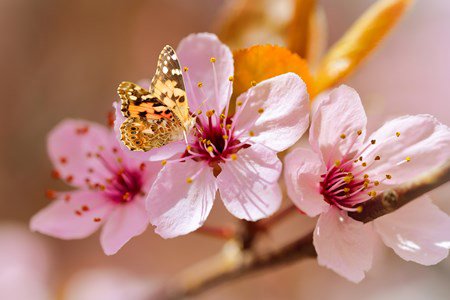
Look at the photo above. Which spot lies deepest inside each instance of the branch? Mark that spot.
(234, 262)
(393, 199)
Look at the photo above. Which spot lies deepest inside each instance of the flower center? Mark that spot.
(214, 140)
(347, 183)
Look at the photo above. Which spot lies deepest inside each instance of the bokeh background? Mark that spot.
(64, 59)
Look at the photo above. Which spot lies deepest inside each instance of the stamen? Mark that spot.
(233, 156)
(388, 176)
(163, 162)
(212, 59)
(252, 83)
(359, 132)
(199, 84)
(373, 142)
(189, 180)
(343, 136)
(408, 159)
(185, 69)
(231, 78)
(397, 134)
(377, 157)
(97, 220)
(261, 110)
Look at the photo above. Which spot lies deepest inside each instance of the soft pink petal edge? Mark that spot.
(418, 231)
(195, 52)
(176, 206)
(285, 117)
(343, 244)
(302, 170)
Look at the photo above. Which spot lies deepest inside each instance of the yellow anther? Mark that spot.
(164, 162)
(239, 103)
(348, 179)
(119, 160)
(337, 163)
(199, 112)
(359, 132)
(210, 149)
(233, 156)
(366, 176)
(388, 176)
(225, 137)
(222, 116)
(253, 83)
(189, 180)
(231, 78)
(364, 164)
(188, 148)
(408, 159)
(377, 157)
(360, 158)
(343, 136)
(212, 59)
(359, 209)
(251, 133)
(373, 142)
(346, 190)
(208, 142)
(228, 126)
(185, 69)
(209, 113)
(397, 134)
(376, 183)
(200, 84)
(261, 110)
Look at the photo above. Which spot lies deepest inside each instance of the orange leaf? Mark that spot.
(258, 63)
(359, 41)
(299, 27)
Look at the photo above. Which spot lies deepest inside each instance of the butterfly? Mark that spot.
(160, 115)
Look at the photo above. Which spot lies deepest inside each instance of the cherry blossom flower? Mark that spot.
(344, 170)
(235, 154)
(111, 187)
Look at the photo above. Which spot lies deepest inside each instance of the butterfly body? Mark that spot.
(157, 116)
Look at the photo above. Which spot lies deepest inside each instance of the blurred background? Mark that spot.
(64, 59)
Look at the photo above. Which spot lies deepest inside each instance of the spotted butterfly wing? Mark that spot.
(159, 116)
(168, 85)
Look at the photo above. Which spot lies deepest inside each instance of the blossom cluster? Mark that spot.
(231, 154)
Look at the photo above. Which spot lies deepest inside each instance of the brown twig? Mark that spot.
(222, 268)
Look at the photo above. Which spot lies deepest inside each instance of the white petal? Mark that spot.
(285, 117)
(248, 185)
(418, 231)
(302, 173)
(343, 244)
(177, 207)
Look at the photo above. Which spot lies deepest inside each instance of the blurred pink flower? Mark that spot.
(108, 284)
(111, 187)
(344, 170)
(25, 262)
(235, 154)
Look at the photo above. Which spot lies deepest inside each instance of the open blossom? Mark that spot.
(233, 153)
(111, 187)
(343, 170)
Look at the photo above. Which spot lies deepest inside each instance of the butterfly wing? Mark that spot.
(150, 123)
(168, 85)
(144, 135)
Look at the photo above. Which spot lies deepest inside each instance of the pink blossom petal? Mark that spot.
(65, 218)
(285, 117)
(343, 244)
(195, 52)
(72, 146)
(248, 186)
(127, 221)
(177, 207)
(157, 154)
(337, 113)
(418, 231)
(303, 168)
(423, 140)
